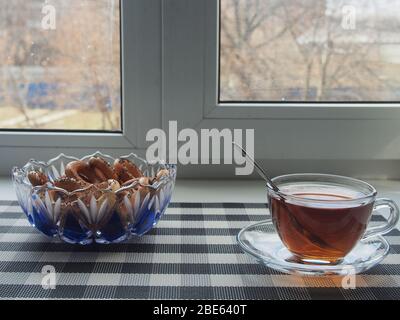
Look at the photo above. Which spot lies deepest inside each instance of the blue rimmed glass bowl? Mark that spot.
(93, 214)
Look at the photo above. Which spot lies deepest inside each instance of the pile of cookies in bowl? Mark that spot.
(94, 199)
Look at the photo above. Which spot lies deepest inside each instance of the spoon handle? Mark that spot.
(259, 169)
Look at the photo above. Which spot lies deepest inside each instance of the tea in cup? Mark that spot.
(321, 218)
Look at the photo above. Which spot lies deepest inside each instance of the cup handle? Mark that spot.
(392, 220)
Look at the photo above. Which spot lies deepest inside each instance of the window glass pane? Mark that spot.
(310, 50)
(60, 65)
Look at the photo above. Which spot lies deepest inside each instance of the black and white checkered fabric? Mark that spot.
(191, 254)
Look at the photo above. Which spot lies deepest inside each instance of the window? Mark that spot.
(309, 51)
(177, 65)
(351, 127)
(61, 77)
(99, 91)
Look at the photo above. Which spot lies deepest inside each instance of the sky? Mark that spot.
(369, 8)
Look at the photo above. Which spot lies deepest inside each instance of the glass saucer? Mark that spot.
(263, 243)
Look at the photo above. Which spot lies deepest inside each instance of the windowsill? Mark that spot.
(226, 190)
(237, 191)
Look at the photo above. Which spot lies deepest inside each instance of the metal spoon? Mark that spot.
(301, 229)
(260, 170)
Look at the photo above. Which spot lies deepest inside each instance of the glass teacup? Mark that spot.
(320, 218)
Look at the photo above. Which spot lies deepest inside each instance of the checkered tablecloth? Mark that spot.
(191, 254)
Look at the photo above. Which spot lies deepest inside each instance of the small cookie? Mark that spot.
(161, 174)
(69, 184)
(102, 169)
(126, 170)
(81, 171)
(37, 178)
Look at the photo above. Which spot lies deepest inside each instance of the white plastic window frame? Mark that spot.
(170, 73)
(345, 138)
(141, 98)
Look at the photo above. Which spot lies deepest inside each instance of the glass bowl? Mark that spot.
(93, 214)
